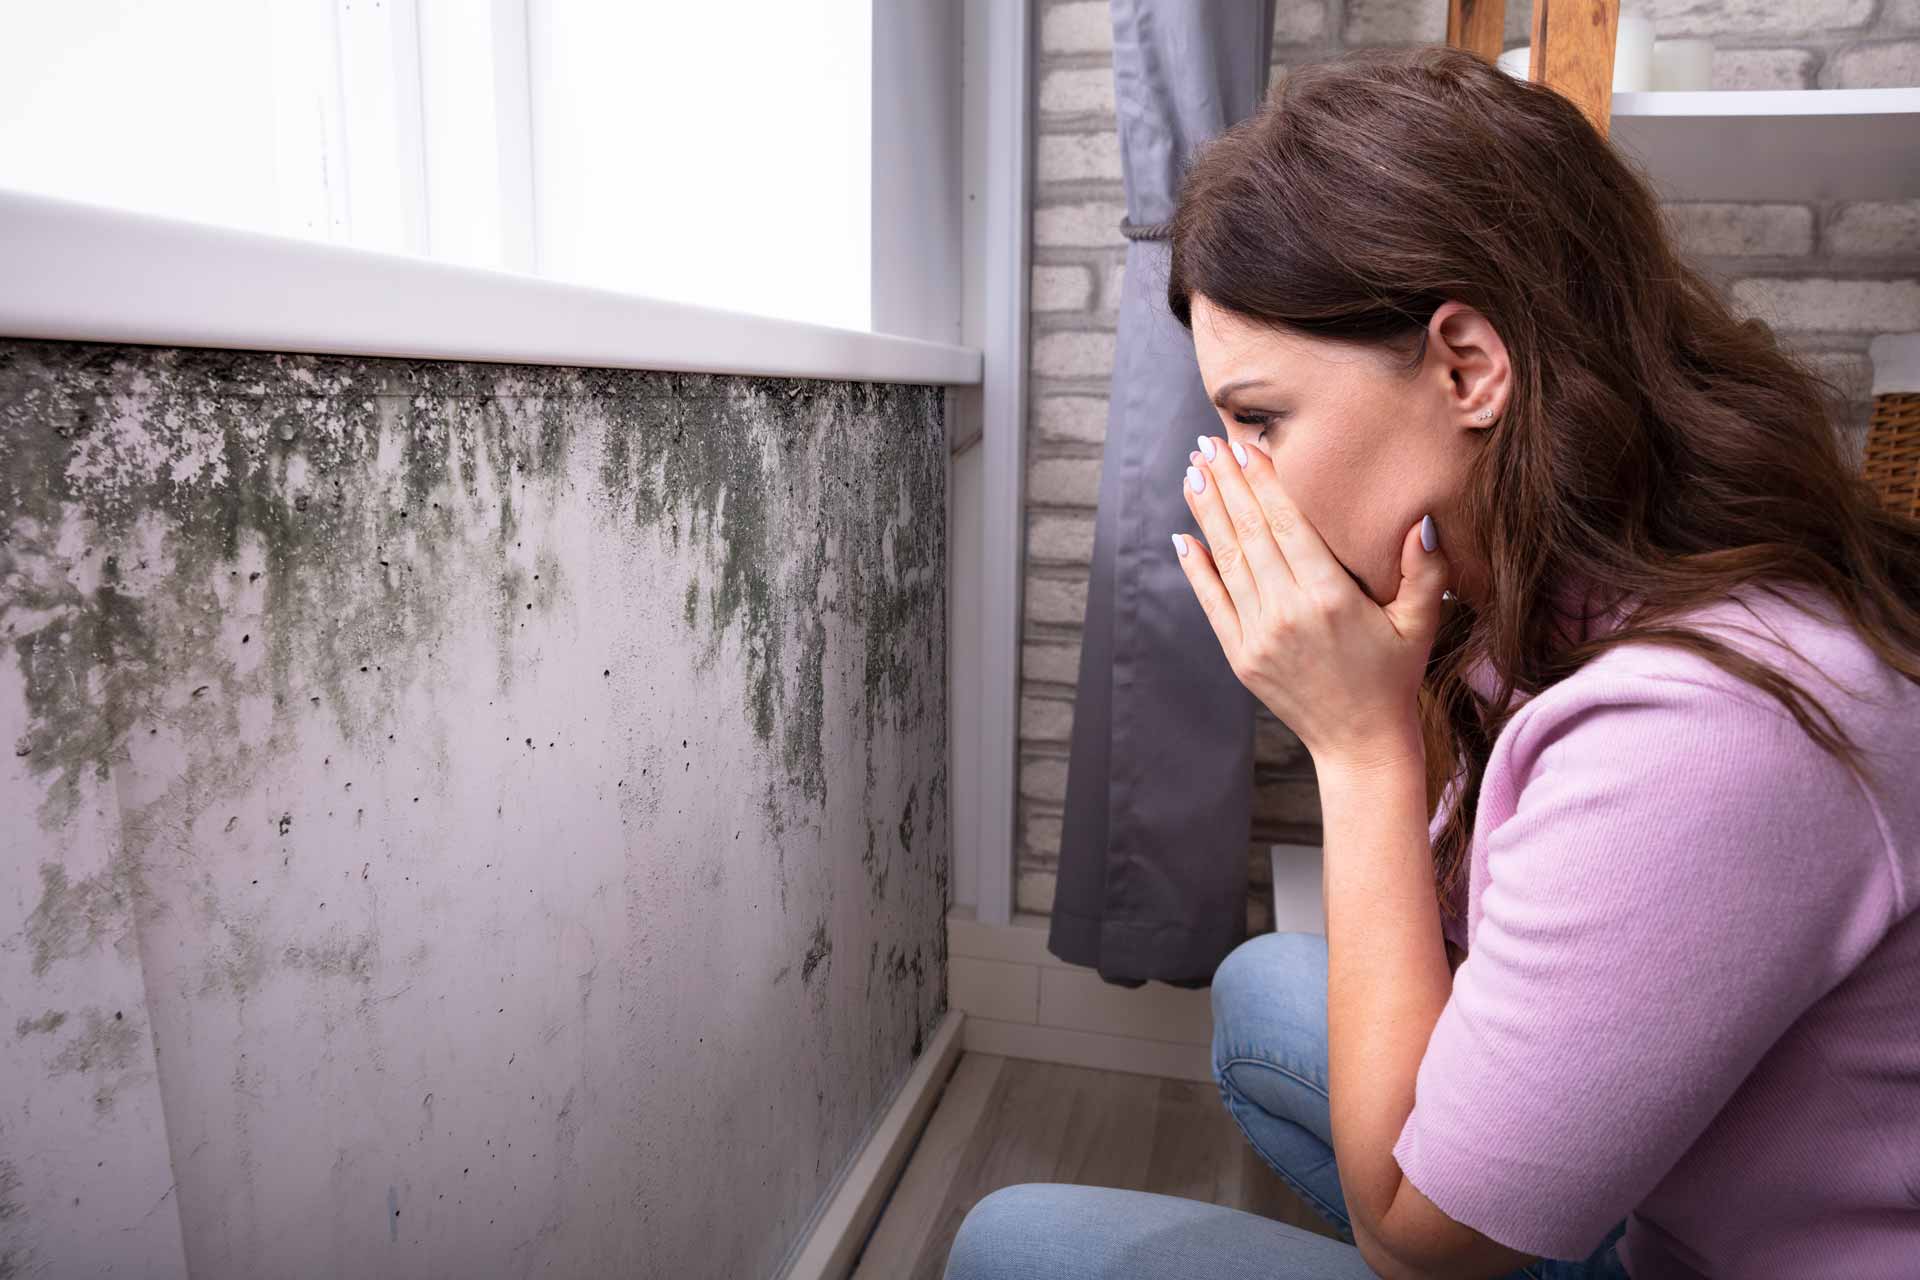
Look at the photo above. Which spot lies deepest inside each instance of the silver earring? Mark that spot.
(1485, 414)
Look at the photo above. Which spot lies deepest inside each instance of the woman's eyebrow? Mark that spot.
(1227, 389)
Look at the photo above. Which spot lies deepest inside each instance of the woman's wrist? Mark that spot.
(1388, 750)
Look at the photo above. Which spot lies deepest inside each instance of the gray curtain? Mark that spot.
(1153, 856)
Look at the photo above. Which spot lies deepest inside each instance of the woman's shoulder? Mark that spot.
(1670, 721)
(1651, 751)
(1792, 628)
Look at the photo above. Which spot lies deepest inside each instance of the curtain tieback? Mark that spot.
(1146, 231)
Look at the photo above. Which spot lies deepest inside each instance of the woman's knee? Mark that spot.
(995, 1237)
(1270, 992)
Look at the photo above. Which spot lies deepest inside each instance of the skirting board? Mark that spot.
(1022, 1001)
(852, 1208)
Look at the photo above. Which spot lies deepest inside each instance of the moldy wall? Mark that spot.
(462, 819)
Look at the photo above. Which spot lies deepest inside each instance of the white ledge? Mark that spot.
(89, 273)
(1774, 144)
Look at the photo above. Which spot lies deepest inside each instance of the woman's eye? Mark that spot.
(1260, 420)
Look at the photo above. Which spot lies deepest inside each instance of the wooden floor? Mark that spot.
(1007, 1120)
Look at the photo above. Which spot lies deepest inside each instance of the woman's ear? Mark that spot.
(1479, 374)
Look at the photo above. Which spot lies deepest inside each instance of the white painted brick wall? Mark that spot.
(1093, 224)
(1071, 419)
(1062, 601)
(1875, 228)
(1833, 306)
(1744, 19)
(1738, 229)
(1873, 66)
(1060, 539)
(1061, 289)
(1300, 23)
(1763, 68)
(1077, 90)
(1084, 26)
(1064, 482)
(1076, 157)
(1051, 663)
(1828, 277)
(1073, 353)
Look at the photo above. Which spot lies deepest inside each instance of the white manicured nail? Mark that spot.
(1180, 545)
(1206, 448)
(1195, 481)
(1239, 453)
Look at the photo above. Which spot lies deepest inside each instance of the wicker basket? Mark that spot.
(1891, 459)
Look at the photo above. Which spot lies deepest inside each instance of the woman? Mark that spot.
(1609, 665)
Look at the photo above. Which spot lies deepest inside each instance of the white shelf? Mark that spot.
(1774, 144)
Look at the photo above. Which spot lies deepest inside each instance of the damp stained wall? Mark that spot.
(459, 819)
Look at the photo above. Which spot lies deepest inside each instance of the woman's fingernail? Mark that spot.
(1195, 481)
(1239, 453)
(1194, 455)
(1206, 448)
(1180, 545)
(1429, 536)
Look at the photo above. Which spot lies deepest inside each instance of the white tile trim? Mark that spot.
(1088, 1049)
(1078, 1018)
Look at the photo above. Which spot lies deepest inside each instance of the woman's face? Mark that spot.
(1363, 449)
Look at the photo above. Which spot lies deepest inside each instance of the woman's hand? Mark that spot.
(1342, 672)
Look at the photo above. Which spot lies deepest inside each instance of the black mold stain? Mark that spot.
(13, 1261)
(9, 1188)
(906, 820)
(819, 952)
(876, 864)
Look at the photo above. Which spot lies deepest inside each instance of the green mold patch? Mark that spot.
(45, 1024)
(110, 1042)
(73, 916)
(806, 501)
(185, 533)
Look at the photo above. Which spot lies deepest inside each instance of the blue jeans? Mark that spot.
(1270, 1061)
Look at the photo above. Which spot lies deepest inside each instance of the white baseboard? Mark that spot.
(853, 1206)
(1024, 1002)
(1007, 994)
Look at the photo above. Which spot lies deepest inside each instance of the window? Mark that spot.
(713, 154)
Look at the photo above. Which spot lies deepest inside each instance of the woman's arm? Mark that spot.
(1388, 978)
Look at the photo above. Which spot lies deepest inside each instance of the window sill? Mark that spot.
(83, 272)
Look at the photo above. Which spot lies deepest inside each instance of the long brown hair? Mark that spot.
(1654, 447)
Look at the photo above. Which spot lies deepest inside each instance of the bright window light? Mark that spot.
(717, 154)
(162, 108)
